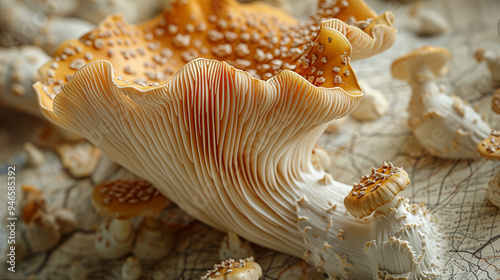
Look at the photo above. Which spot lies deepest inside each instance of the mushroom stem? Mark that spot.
(122, 230)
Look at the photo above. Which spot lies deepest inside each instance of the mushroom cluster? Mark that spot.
(444, 125)
(122, 200)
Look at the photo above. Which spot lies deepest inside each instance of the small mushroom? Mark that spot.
(492, 59)
(131, 269)
(35, 156)
(426, 22)
(400, 230)
(242, 269)
(373, 105)
(154, 241)
(80, 158)
(18, 71)
(489, 148)
(121, 200)
(232, 247)
(444, 125)
(34, 27)
(42, 230)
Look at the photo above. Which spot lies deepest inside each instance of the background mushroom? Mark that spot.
(121, 200)
(444, 125)
(42, 230)
(79, 158)
(492, 59)
(425, 21)
(489, 148)
(25, 24)
(154, 240)
(18, 72)
(373, 105)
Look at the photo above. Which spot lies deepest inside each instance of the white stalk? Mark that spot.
(122, 230)
(444, 125)
(154, 241)
(114, 238)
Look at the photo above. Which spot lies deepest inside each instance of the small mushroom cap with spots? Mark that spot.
(243, 269)
(375, 190)
(125, 199)
(409, 66)
(489, 148)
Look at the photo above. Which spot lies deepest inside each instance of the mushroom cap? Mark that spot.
(256, 38)
(125, 199)
(435, 57)
(489, 148)
(243, 269)
(376, 189)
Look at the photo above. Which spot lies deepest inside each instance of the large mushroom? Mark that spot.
(444, 125)
(231, 148)
(122, 200)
